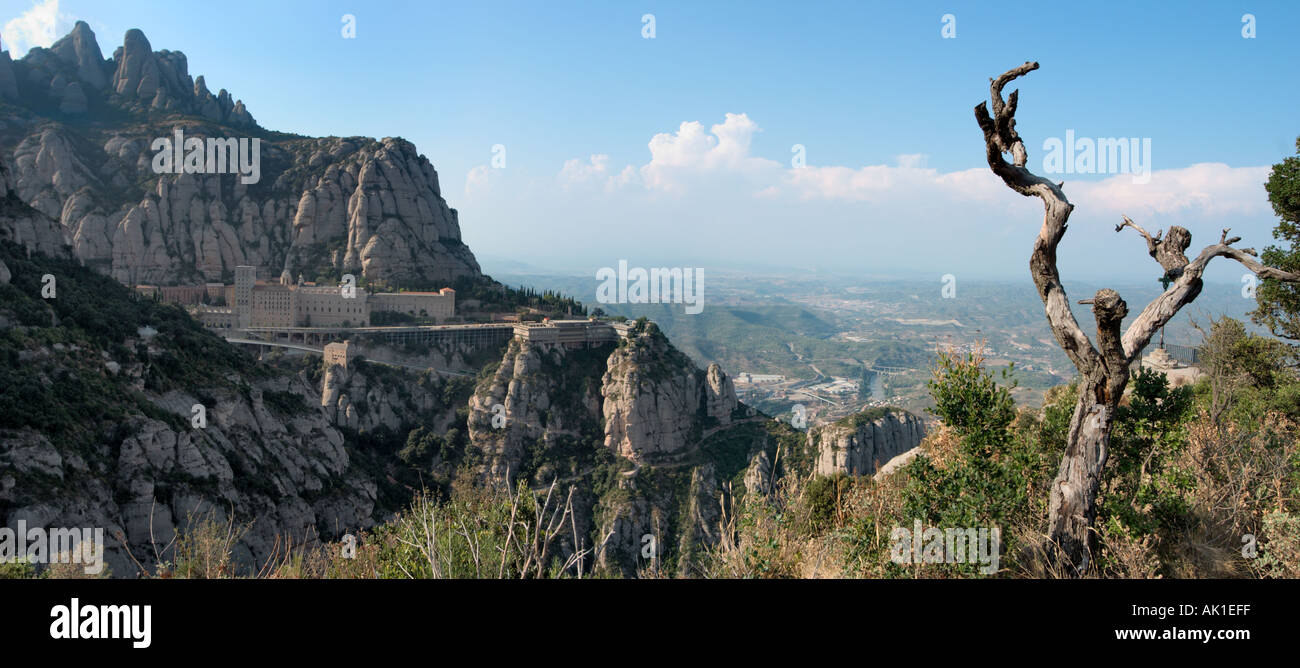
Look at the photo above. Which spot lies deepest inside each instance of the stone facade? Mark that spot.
(216, 317)
(440, 305)
(321, 306)
(339, 354)
(568, 333)
(284, 303)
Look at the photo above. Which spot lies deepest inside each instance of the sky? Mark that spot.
(803, 136)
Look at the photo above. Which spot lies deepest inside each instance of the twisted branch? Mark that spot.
(1187, 285)
(1169, 251)
(1000, 137)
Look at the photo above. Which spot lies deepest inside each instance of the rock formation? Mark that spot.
(363, 398)
(329, 205)
(654, 399)
(80, 50)
(8, 82)
(26, 226)
(636, 414)
(290, 475)
(863, 442)
(532, 403)
(758, 475)
(100, 429)
(720, 398)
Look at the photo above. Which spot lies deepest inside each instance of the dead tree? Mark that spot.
(1103, 369)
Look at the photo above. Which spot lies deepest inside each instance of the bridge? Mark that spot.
(888, 370)
(276, 344)
(321, 351)
(475, 334)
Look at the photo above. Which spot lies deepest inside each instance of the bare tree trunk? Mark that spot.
(1073, 506)
(1103, 369)
(1074, 492)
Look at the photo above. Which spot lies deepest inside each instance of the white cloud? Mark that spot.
(885, 183)
(679, 158)
(721, 160)
(691, 156)
(912, 160)
(577, 173)
(862, 184)
(38, 26)
(704, 193)
(481, 180)
(1208, 188)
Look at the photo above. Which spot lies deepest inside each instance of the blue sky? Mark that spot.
(858, 84)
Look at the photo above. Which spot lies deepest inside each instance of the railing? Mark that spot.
(321, 351)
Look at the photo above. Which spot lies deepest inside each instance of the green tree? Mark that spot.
(1248, 376)
(1279, 303)
(1143, 491)
(989, 479)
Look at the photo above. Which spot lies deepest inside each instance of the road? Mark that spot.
(321, 351)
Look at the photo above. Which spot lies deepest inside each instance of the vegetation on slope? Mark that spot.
(59, 352)
(1185, 494)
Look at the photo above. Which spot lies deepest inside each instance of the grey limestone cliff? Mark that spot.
(863, 442)
(80, 133)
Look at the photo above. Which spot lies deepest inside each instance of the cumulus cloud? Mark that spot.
(691, 157)
(1210, 189)
(680, 157)
(704, 191)
(577, 171)
(38, 26)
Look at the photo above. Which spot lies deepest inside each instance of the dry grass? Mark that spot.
(757, 540)
(1241, 482)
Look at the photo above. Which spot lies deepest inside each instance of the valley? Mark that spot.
(834, 345)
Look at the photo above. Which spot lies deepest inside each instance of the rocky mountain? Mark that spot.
(654, 449)
(117, 411)
(654, 444)
(26, 226)
(371, 397)
(540, 401)
(655, 399)
(863, 442)
(122, 413)
(84, 135)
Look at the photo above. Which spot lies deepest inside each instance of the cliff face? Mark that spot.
(531, 416)
(80, 130)
(120, 413)
(861, 443)
(643, 400)
(367, 397)
(656, 400)
(26, 226)
(629, 425)
(289, 474)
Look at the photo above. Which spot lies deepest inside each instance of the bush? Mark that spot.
(825, 498)
(1279, 555)
(1144, 490)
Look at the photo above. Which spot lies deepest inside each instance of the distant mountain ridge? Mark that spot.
(79, 132)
